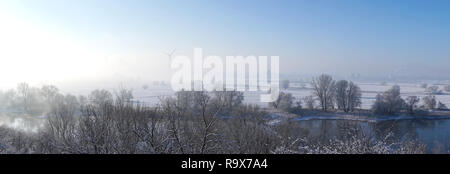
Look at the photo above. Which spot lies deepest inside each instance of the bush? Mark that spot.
(309, 102)
(441, 106)
(284, 102)
(389, 102)
(430, 102)
(411, 103)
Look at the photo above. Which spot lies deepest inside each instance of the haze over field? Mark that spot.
(346, 76)
(76, 43)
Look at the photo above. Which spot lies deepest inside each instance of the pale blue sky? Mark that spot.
(310, 36)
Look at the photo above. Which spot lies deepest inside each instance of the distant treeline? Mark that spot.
(346, 96)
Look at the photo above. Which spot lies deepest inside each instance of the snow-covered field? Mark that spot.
(153, 94)
(370, 91)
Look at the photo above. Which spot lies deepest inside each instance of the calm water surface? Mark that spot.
(434, 133)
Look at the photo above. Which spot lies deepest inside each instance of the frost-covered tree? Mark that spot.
(353, 96)
(411, 103)
(49, 94)
(82, 100)
(324, 88)
(430, 102)
(309, 102)
(100, 97)
(298, 106)
(30, 99)
(341, 94)
(347, 95)
(389, 102)
(123, 95)
(229, 99)
(284, 102)
(24, 93)
(441, 106)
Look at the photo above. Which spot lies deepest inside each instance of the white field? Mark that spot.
(152, 95)
(370, 91)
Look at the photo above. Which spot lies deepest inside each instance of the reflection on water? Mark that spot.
(434, 133)
(24, 123)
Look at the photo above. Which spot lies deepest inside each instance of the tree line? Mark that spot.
(346, 96)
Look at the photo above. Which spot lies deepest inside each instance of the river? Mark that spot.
(435, 133)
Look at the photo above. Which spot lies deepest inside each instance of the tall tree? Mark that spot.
(389, 102)
(341, 94)
(324, 88)
(347, 95)
(23, 89)
(411, 103)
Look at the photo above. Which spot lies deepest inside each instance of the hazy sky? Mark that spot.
(70, 40)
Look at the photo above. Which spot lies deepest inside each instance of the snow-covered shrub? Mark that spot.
(430, 102)
(389, 102)
(309, 102)
(324, 88)
(441, 106)
(433, 90)
(284, 102)
(411, 103)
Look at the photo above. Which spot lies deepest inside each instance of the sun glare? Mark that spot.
(33, 53)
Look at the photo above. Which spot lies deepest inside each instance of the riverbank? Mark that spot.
(360, 115)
